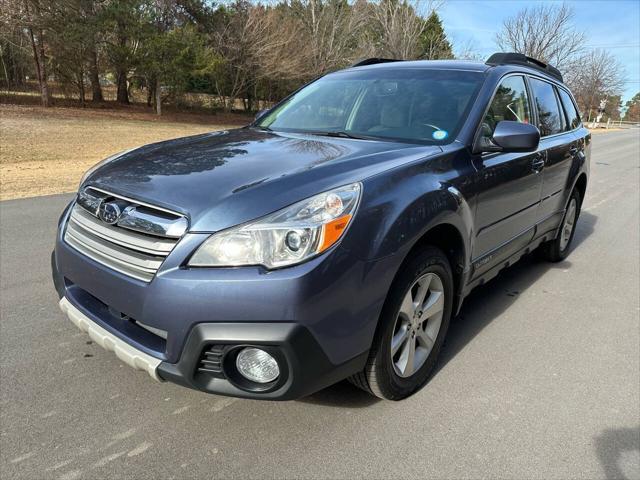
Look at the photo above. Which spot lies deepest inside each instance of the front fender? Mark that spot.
(399, 208)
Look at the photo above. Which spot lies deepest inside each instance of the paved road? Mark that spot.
(540, 377)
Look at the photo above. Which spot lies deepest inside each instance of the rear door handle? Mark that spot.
(573, 150)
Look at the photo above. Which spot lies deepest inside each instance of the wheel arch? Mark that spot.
(581, 185)
(448, 238)
(449, 227)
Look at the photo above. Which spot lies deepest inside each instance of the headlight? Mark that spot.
(101, 163)
(287, 237)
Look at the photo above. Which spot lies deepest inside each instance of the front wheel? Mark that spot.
(558, 249)
(413, 324)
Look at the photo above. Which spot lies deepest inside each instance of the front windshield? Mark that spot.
(402, 104)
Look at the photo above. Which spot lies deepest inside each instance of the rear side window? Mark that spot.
(509, 103)
(549, 118)
(570, 109)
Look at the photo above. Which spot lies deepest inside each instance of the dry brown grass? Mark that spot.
(46, 151)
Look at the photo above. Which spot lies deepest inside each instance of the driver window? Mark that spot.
(509, 103)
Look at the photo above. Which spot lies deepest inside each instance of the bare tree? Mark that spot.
(329, 32)
(252, 44)
(595, 76)
(545, 32)
(400, 24)
(467, 51)
(233, 44)
(271, 51)
(291, 42)
(275, 38)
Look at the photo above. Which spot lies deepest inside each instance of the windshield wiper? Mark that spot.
(338, 133)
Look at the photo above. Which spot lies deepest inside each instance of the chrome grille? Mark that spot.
(122, 246)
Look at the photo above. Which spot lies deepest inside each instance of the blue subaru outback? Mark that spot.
(332, 238)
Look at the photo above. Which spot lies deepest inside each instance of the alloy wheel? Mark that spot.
(568, 224)
(417, 325)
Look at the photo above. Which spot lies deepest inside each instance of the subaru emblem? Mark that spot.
(109, 212)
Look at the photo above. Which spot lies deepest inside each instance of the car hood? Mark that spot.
(221, 179)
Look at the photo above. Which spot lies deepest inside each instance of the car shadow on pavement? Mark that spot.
(618, 450)
(488, 301)
(479, 309)
(343, 395)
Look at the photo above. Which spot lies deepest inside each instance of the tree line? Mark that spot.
(244, 52)
(239, 51)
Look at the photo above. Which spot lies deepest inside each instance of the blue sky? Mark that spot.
(610, 25)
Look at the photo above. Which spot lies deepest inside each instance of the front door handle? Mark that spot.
(538, 163)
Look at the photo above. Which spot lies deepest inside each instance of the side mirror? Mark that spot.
(260, 114)
(510, 137)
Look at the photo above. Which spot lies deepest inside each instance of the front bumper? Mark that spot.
(125, 352)
(319, 317)
(304, 366)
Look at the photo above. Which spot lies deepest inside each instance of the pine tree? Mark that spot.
(433, 40)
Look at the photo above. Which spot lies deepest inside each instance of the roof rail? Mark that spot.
(373, 61)
(522, 59)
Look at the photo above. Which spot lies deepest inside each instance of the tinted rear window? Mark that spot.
(549, 119)
(570, 109)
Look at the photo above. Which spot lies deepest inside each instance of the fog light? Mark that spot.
(257, 365)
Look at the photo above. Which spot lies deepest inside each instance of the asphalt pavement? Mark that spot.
(540, 377)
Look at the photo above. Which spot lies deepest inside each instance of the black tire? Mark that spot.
(556, 250)
(379, 377)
